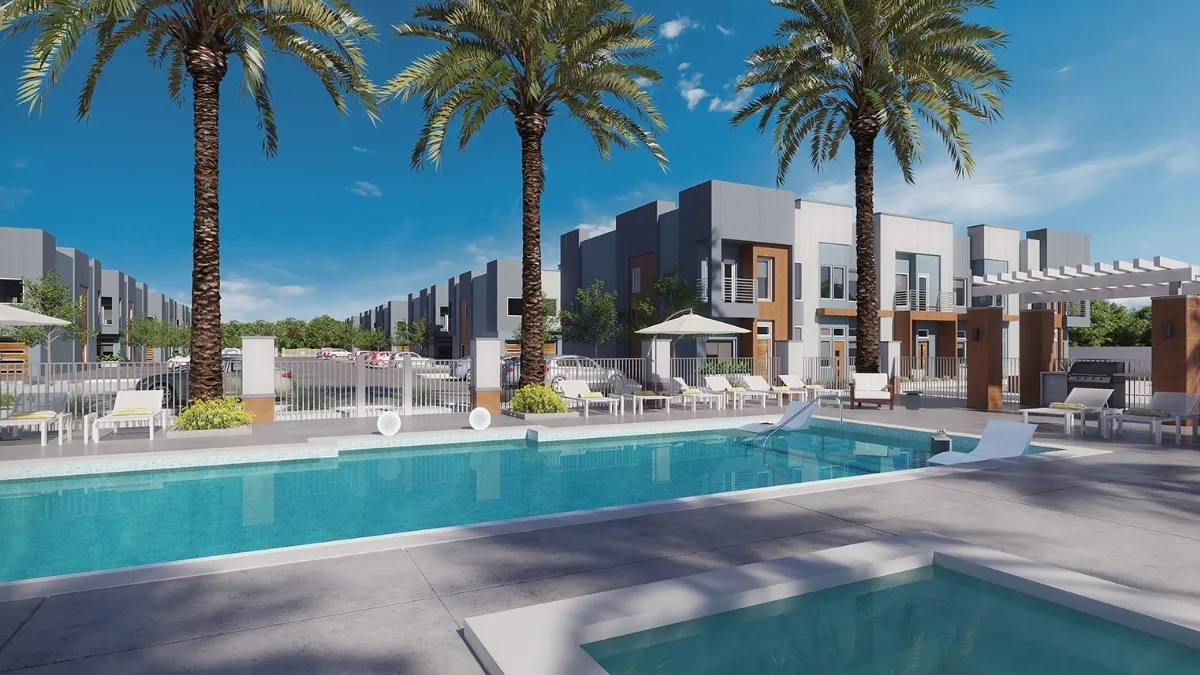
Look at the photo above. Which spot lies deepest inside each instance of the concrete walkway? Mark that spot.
(1130, 516)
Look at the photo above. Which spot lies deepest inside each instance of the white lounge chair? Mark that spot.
(1000, 440)
(1164, 407)
(43, 412)
(718, 384)
(632, 391)
(1081, 402)
(796, 383)
(131, 407)
(872, 388)
(759, 383)
(577, 391)
(683, 393)
(795, 418)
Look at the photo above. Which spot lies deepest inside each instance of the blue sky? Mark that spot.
(1099, 135)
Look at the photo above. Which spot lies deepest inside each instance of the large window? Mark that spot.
(833, 282)
(826, 282)
(852, 288)
(960, 292)
(839, 283)
(902, 290)
(797, 283)
(515, 307)
(635, 280)
(106, 304)
(765, 270)
(10, 290)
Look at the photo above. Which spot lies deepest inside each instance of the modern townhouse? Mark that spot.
(785, 269)
(111, 297)
(432, 305)
(489, 304)
(384, 317)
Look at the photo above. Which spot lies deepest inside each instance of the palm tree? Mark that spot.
(533, 58)
(196, 38)
(869, 66)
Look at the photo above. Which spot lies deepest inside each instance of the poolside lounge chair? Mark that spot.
(718, 384)
(632, 391)
(131, 407)
(1000, 440)
(795, 418)
(758, 383)
(682, 392)
(872, 388)
(796, 383)
(1080, 402)
(43, 412)
(577, 391)
(1164, 407)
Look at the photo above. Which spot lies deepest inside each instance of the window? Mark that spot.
(960, 292)
(798, 333)
(764, 329)
(106, 304)
(902, 290)
(515, 307)
(826, 332)
(826, 282)
(444, 312)
(797, 283)
(922, 333)
(962, 335)
(839, 332)
(636, 280)
(839, 283)
(962, 349)
(826, 352)
(765, 269)
(852, 288)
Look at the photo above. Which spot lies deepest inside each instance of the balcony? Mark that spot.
(922, 301)
(733, 291)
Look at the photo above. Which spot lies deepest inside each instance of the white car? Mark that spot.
(334, 353)
(231, 351)
(418, 361)
(379, 359)
(179, 361)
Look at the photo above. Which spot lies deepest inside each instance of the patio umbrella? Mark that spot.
(692, 324)
(15, 316)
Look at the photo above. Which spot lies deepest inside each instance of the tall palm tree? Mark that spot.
(866, 67)
(196, 38)
(533, 58)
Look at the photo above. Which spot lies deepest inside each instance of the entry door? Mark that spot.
(764, 332)
(839, 359)
(922, 354)
(729, 274)
(922, 291)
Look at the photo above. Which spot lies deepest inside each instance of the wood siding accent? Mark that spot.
(985, 359)
(902, 332)
(1037, 352)
(924, 315)
(837, 311)
(1175, 361)
(14, 360)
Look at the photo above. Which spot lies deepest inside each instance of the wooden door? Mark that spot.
(922, 354)
(839, 359)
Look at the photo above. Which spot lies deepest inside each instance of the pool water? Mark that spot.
(61, 526)
(930, 621)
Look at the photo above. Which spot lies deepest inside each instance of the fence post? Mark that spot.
(360, 387)
(487, 357)
(406, 381)
(258, 378)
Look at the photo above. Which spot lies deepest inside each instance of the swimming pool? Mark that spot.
(924, 621)
(60, 526)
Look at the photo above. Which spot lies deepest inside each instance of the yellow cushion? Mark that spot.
(813, 386)
(1068, 406)
(643, 393)
(739, 389)
(39, 415)
(131, 412)
(691, 390)
(591, 394)
(782, 389)
(1147, 412)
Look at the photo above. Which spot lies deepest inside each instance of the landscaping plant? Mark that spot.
(537, 399)
(215, 413)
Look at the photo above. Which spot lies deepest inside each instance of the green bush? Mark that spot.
(109, 357)
(7, 400)
(537, 399)
(724, 368)
(218, 413)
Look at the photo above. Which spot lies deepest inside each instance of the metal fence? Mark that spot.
(600, 374)
(329, 389)
(827, 372)
(946, 377)
(693, 370)
(1139, 387)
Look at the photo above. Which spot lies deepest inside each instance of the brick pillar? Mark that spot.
(985, 358)
(1037, 352)
(1175, 344)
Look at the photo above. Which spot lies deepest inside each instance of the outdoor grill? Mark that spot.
(1099, 375)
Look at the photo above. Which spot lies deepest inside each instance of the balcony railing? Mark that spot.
(739, 290)
(1075, 308)
(923, 301)
(702, 290)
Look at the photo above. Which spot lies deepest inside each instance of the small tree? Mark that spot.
(418, 335)
(401, 336)
(323, 331)
(594, 319)
(145, 331)
(290, 333)
(673, 293)
(51, 297)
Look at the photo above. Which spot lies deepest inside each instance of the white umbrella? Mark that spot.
(692, 324)
(15, 316)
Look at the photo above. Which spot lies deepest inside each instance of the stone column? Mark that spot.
(258, 378)
(486, 355)
(985, 358)
(1175, 343)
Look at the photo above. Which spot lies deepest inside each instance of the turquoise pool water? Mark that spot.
(61, 526)
(930, 621)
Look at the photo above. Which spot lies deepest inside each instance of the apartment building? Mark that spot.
(110, 296)
(785, 269)
(384, 317)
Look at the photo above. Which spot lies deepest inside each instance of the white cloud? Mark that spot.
(689, 88)
(365, 150)
(19, 163)
(671, 48)
(364, 189)
(601, 226)
(1065, 69)
(643, 82)
(245, 299)
(1023, 178)
(11, 198)
(685, 65)
(675, 27)
(484, 251)
(740, 98)
(1184, 161)
(724, 31)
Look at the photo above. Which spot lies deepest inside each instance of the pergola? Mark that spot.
(1173, 287)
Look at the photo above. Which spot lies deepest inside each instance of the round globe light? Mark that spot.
(389, 423)
(480, 419)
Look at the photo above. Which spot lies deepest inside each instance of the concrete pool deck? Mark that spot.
(1129, 516)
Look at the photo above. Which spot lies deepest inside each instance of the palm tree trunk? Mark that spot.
(207, 67)
(864, 130)
(531, 127)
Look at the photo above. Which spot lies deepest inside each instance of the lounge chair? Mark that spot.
(1164, 407)
(43, 412)
(632, 391)
(1000, 440)
(796, 383)
(683, 393)
(131, 407)
(577, 391)
(1081, 402)
(795, 418)
(872, 388)
(758, 383)
(719, 384)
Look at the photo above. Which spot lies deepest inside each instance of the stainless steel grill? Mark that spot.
(1099, 375)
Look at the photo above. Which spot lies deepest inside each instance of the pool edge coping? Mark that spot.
(547, 638)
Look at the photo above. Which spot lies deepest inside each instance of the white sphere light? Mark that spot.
(480, 419)
(389, 423)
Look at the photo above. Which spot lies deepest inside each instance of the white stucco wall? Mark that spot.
(816, 223)
(903, 234)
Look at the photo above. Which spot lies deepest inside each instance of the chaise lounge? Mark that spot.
(43, 412)
(1081, 402)
(1165, 407)
(872, 388)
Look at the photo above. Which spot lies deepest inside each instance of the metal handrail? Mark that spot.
(739, 290)
(924, 301)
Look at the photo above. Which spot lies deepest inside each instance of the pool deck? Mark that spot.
(1129, 516)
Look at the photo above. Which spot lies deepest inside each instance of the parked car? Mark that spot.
(362, 354)
(231, 351)
(379, 359)
(599, 378)
(179, 361)
(511, 370)
(418, 361)
(460, 369)
(334, 353)
(175, 382)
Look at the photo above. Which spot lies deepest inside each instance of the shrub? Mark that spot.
(724, 368)
(7, 400)
(108, 357)
(217, 413)
(536, 399)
